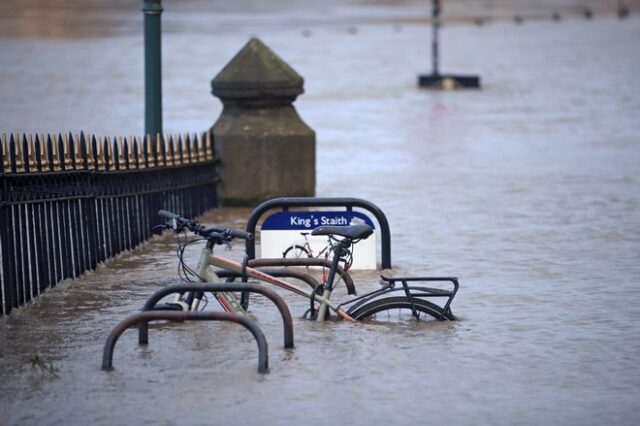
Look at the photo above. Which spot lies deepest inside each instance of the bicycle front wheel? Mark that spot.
(296, 252)
(400, 309)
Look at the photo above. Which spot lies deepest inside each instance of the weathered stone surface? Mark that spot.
(265, 148)
(257, 73)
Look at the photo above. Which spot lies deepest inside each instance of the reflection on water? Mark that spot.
(526, 190)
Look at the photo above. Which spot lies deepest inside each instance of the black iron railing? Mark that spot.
(70, 202)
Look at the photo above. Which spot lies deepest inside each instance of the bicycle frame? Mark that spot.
(230, 302)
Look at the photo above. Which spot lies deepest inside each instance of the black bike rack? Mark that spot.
(143, 326)
(349, 203)
(145, 317)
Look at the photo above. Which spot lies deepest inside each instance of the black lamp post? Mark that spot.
(152, 10)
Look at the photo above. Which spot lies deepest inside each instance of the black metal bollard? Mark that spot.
(109, 346)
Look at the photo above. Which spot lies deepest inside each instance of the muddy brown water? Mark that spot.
(527, 190)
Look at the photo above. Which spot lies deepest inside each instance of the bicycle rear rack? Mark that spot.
(145, 317)
(411, 292)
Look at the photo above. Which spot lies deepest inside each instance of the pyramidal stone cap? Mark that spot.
(256, 72)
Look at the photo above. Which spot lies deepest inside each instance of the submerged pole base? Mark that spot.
(448, 81)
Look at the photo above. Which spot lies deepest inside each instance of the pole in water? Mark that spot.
(435, 25)
(152, 10)
(435, 80)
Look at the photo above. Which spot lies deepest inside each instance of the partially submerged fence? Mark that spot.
(69, 202)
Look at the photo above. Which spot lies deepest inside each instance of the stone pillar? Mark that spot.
(264, 147)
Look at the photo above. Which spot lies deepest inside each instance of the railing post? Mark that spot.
(152, 11)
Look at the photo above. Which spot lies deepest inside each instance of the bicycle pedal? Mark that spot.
(172, 306)
(182, 306)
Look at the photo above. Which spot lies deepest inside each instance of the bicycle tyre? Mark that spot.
(296, 252)
(400, 302)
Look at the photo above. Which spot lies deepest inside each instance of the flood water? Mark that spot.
(528, 190)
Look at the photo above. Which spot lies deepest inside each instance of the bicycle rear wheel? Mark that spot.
(399, 309)
(296, 252)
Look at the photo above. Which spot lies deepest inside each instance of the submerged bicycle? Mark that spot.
(397, 294)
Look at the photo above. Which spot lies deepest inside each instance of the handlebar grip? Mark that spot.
(236, 233)
(167, 215)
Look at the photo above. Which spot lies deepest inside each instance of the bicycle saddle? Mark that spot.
(353, 232)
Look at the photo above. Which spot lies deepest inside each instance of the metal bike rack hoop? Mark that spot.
(348, 203)
(143, 326)
(145, 317)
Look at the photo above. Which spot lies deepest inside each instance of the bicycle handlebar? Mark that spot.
(167, 215)
(225, 234)
(237, 233)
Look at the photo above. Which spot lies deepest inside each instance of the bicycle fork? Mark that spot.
(228, 301)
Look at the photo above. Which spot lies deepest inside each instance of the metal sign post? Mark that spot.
(435, 80)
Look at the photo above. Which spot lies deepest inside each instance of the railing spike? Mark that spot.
(100, 153)
(116, 154)
(50, 153)
(38, 153)
(187, 142)
(72, 151)
(21, 154)
(180, 150)
(13, 161)
(196, 148)
(156, 149)
(149, 151)
(95, 152)
(60, 153)
(67, 152)
(3, 154)
(125, 149)
(30, 156)
(84, 151)
(209, 146)
(106, 153)
(136, 152)
(162, 151)
(172, 152)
